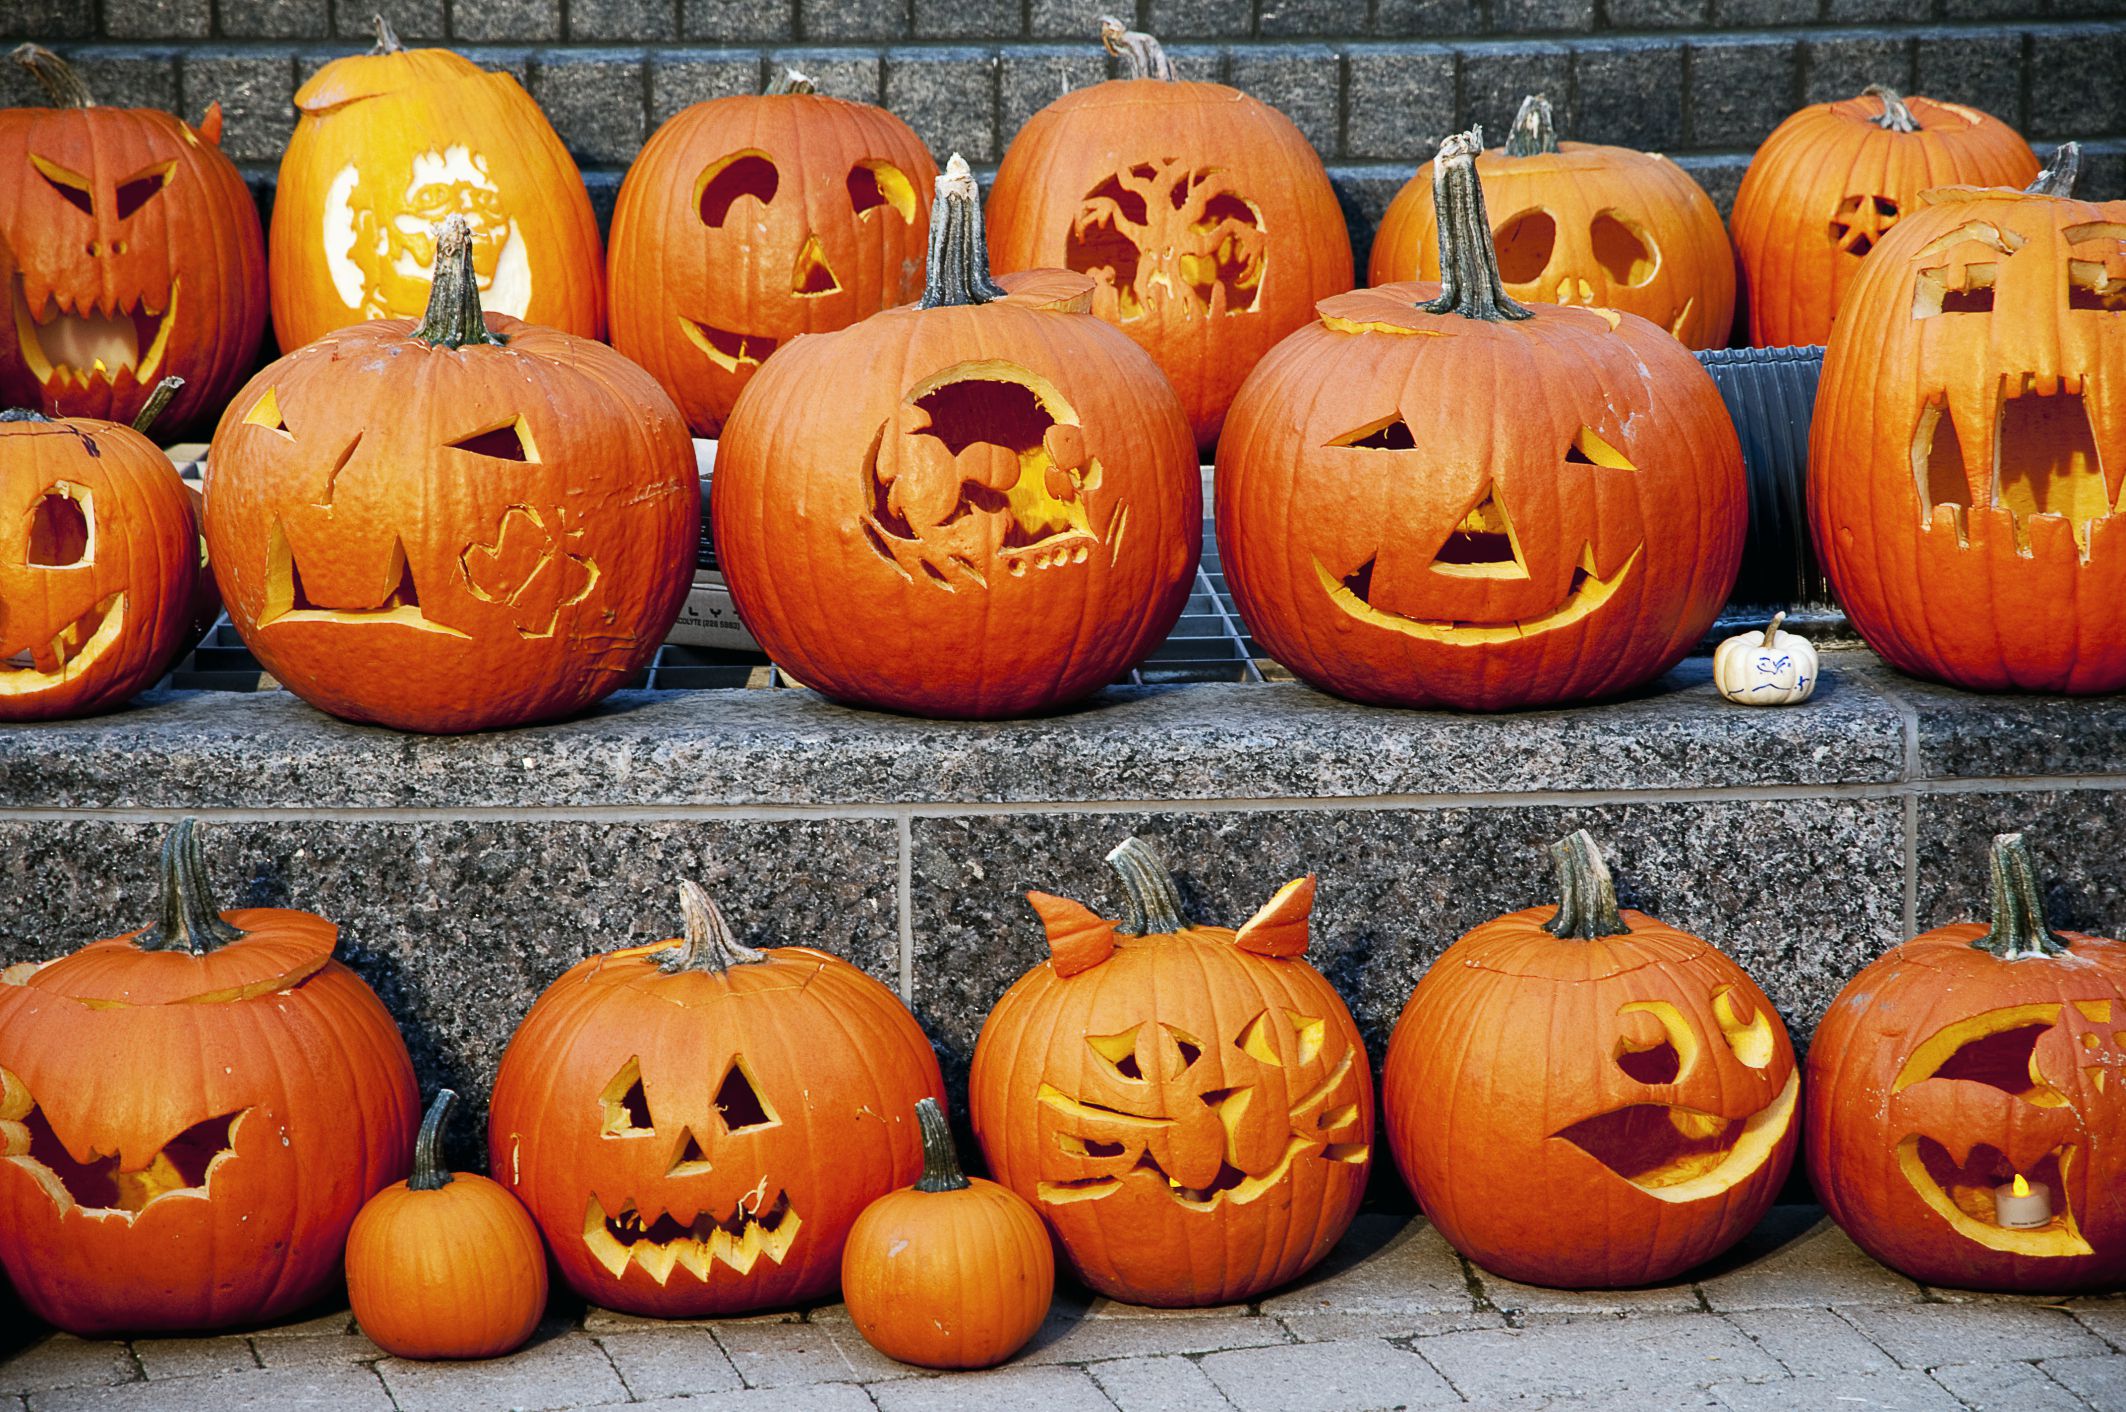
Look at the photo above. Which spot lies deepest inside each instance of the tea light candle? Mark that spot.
(2019, 1206)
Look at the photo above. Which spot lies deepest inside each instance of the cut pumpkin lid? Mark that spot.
(360, 76)
(278, 951)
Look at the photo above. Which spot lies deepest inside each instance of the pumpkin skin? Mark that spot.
(1610, 1104)
(695, 1125)
(1832, 179)
(1960, 1059)
(471, 523)
(445, 1264)
(966, 492)
(1483, 510)
(951, 1273)
(214, 1182)
(1204, 215)
(133, 241)
(1944, 578)
(1193, 1119)
(388, 143)
(746, 221)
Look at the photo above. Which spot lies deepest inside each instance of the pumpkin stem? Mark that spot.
(2059, 174)
(1895, 115)
(788, 81)
(454, 318)
(941, 1158)
(1140, 53)
(2019, 928)
(430, 1171)
(1468, 263)
(1532, 132)
(1771, 629)
(1154, 901)
(959, 253)
(55, 76)
(159, 399)
(709, 945)
(1587, 902)
(387, 38)
(190, 920)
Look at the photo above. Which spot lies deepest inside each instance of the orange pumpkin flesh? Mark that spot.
(1583, 1097)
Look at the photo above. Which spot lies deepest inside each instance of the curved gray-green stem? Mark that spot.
(1468, 262)
(941, 1157)
(1587, 898)
(1153, 900)
(2019, 928)
(190, 919)
(958, 271)
(708, 944)
(430, 1171)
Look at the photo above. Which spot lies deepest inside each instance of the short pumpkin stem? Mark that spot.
(1468, 263)
(1771, 629)
(1154, 901)
(1895, 115)
(55, 76)
(454, 318)
(1532, 133)
(709, 945)
(788, 81)
(959, 253)
(1140, 53)
(941, 1157)
(159, 399)
(430, 1171)
(1587, 901)
(190, 920)
(2059, 174)
(387, 38)
(2019, 928)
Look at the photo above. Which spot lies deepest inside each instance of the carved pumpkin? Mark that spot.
(1577, 223)
(696, 1125)
(996, 512)
(1833, 179)
(191, 1115)
(1583, 1097)
(1438, 496)
(951, 1273)
(1969, 448)
(1190, 1108)
(1203, 214)
(391, 142)
(746, 221)
(470, 523)
(1960, 1061)
(135, 251)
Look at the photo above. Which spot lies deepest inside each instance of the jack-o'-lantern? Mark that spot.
(191, 1115)
(389, 143)
(1578, 223)
(1584, 1097)
(746, 221)
(696, 1125)
(468, 523)
(1001, 492)
(1439, 496)
(1833, 179)
(131, 251)
(1188, 1107)
(1968, 452)
(1203, 214)
(1964, 1062)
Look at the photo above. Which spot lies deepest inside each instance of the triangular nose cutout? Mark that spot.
(691, 1161)
(812, 274)
(1482, 545)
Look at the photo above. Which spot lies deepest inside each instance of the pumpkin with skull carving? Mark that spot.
(1584, 1097)
(1967, 462)
(696, 1125)
(1961, 1061)
(746, 221)
(1190, 1108)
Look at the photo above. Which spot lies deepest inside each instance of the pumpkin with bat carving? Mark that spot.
(191, 1115)
(1967, 462)
(1190, 1108)
(1584, 1097)
(1961, 1062)
(696, 1125)
(748, 220)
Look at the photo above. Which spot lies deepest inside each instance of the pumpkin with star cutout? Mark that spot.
(1586, 1097)
(130, 250)
(749, 220)
(1190, 1108)
(1833, 179)
(1580, 223)
(1960, 1061)
(469, 523)
(696, 1125)
(1438, 496)
(995, 513)
(191, 1115)
(1967, 462)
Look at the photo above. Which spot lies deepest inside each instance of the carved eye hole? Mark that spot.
(739, 1102)
(1747, 1029)
(1668, 1056)
(266, 412)
(1524, 243)
(72, 188)
(1623, 250)
(136, 192)
(740, 174)
(1589, 449)
(63, 527)
(509, 442)
(875, 184)
(625, 1107)
(2090, 281)
(1387, 434)
(1118, 1052)
(1191, 1048)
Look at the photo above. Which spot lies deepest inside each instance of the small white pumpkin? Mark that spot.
(1771, 668)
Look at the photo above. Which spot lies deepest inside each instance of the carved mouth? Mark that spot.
(62, 344)
(726, 349)
(1678, 1154)
(1960, 1191)
(287, 602)
(184, 1167)
(2044, 463)
(664, 1242)
(1588, 592)
(72, 651)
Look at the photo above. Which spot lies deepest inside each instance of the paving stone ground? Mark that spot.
(1796, 1318)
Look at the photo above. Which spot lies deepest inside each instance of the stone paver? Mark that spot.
(1050, 1389)
(2099, 1381)
(793, 1355)
(260, 1390)
(317, 1348)
(570, 1370)
(1930, 1335)
(1159, 1385)
(824, 1397)
(2007, 1387)
(191, 1357)
(2106, 1318)
(337, 1320)
(1798, 1259)
(1089, 1340)
(1327, 1377)
(1517, 1298)
(1860, 1392)
(1556, 1359)
(1812, 1342)
(1383, 1265)
(65, 1361)
(668, 1362)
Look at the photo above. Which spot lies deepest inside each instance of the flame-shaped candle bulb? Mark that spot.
(2020, 1206)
